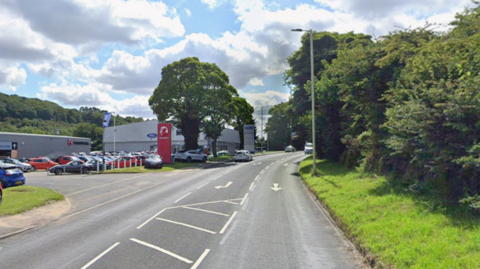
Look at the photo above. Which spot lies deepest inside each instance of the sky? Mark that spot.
(109, 53)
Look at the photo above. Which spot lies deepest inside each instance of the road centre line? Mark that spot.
(257, 177)
(202, 185)
(229, 202)
(100, 256)
(285, 164)
(154, 216)
(206, 211)
(228, 222)
(251, 186)
(161, 250)
(113, 200)
(187, 225)
(243, 200)
(262, 172)
(183, 197)
(197, 263)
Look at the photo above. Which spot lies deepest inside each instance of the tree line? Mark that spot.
(35, 116)
(406, 104)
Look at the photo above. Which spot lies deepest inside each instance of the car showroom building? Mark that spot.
(142, 136)
(20, 145)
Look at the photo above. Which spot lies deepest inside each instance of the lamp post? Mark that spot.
(261, 130)
(314, 169)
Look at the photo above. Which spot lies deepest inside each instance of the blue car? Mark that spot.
(10, 176)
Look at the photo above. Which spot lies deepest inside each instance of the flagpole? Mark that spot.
(114, 131)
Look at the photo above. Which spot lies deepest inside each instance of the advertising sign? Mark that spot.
(152, 135)
(249, 137)
(164, 148)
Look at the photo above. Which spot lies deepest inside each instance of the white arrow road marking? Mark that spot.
(222, 187)
(161, 250)
(275, 187)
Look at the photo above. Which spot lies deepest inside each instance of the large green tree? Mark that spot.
(190, 94)
(243, 116)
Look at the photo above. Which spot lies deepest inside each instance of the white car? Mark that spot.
(243, 155)
(190, 156)
(308, 148)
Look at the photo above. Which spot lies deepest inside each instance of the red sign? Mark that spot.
(164, 147)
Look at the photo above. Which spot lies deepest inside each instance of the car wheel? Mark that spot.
(204, 159)
(85, 170)
(34, 168)
(189, 160)
(58, 171)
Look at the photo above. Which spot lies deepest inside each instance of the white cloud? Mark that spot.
(12, 77)
(188, 12)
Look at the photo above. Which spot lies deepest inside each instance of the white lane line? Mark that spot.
(263, 171)
(206, 211)
(230, 202)
(228, 222)
(286, 164)
(187, 225)
(257, 178)
(161, 250)
(251, 186)
(182, 197)
(202, 185)
(154, 216)
(113, 200)
(100, 256)
(199, 261)
(205, 203)
(243, 200)
(266, 168)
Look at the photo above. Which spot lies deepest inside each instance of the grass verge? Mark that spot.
(23, 198)
(141, 169)
(393, 226)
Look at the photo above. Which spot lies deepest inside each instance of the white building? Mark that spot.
(134, 137)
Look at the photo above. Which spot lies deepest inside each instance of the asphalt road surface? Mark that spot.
(239, 215)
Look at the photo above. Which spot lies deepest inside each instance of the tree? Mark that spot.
(93, 131)
(243, 116)
(185, 94)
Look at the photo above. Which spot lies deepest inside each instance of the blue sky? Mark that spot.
(109, 54)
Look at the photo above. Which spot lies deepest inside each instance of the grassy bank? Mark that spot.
(141, 169)
(397, 227)
(23, 198)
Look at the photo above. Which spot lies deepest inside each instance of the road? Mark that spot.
(238, 215)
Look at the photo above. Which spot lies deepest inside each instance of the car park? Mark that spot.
(290, 149)
(308, 148)
(127, 161)
(25, 167)
(190, 156)
(72, 167)
(154, 161)
(243, 156)
(10, 176)
(41, 163)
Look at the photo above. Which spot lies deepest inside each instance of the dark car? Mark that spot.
(154, 161)
(10, 176)
(72, 167)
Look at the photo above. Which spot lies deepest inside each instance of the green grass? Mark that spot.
(396, 227)
(141, 169)
(23, 198)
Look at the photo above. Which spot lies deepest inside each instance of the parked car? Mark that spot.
(41, 163)
(308, 148)
(190, 156)
(1, 193)
(25, 167)
(66, 159)
(127, 161)
(290, 149)
(97, 162)
(11, 175)
(154, 161)
(221, 153)
(243, 156)
(72, 167)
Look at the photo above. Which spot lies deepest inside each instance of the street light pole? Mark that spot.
(314, 169)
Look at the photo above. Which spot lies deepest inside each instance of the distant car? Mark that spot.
(41, 163)
(243, 156)
(66, 159)
(72, 167)
(154, 161)
(25, 167)
(127, 161)
(10, 176)
(290, 149)
(190, 156)
(308, 148)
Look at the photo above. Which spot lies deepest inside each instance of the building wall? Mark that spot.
(52, 146)
(133, 137)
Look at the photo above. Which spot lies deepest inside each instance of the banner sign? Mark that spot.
(106, 119)
(249, 137)
(164, 146)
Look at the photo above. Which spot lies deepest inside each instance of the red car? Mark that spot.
(128, 161)
(66, 159)
(41, 163)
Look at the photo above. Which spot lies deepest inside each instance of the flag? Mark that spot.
(106, 119)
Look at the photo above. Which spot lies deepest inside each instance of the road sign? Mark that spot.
(14, 145)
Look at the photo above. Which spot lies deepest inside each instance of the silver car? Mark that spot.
(25, 167)
(190, 156)
(243, 156)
